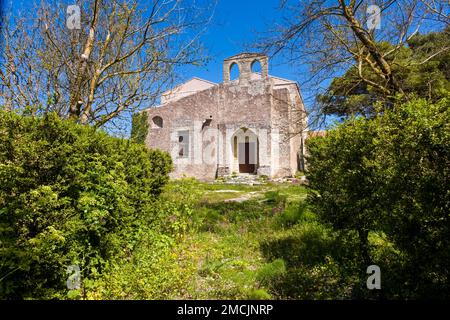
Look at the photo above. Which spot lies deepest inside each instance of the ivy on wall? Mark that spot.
(139, 127)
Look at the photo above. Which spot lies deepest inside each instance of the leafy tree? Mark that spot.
(342, 174)
(329, 37)
(413, 147)
(390, 174)
(122, 56)
(422, 68)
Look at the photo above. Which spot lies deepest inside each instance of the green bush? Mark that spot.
(293, 215)
(270, 271)
(259, 294)
(275, 198)
(391, 174)
(159, 266)
(139, 127)
(69, 195)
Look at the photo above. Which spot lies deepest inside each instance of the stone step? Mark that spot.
(249, 179)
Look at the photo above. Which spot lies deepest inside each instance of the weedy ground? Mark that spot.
(242, 242)
(231, 224)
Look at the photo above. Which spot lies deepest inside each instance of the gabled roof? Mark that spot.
(192, 81)
(281, 81)
(185, 89)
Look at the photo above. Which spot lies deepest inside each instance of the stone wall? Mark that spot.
(213, 115)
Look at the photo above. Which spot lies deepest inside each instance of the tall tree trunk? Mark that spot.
(76, 100)
(370, 45)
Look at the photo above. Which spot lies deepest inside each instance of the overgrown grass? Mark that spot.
(272, 246)
(269, 245)
(229, 235)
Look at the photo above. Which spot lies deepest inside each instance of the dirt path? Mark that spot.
(245, 197)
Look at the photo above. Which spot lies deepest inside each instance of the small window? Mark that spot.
(183, 144)
(157, 122)
(235, 147)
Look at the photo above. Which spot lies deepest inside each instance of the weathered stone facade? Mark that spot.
(252, 125)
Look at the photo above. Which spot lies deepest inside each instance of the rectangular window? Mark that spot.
(183, 144)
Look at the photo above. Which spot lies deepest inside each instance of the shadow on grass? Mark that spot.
(309, 247)
(319, 263)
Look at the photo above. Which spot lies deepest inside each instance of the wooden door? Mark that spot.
(245, 165)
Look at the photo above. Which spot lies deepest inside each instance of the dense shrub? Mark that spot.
(391, 174)
(69, 195)
(271, 271)
(160, 265)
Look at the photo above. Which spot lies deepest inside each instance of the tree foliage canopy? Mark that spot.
(371, 46)
(422, 67)
(70, 196)
(390, 174)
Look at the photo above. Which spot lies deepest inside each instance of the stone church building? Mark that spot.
(254, 125)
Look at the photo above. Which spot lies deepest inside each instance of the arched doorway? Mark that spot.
(245, 151)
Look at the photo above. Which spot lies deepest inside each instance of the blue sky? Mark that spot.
(235, 25)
